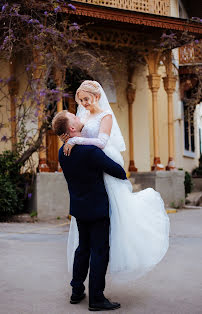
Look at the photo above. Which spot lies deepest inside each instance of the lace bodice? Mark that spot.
(92, 125)
(90, 135)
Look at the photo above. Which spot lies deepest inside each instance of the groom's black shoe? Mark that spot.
(77, 298)
(105, 305)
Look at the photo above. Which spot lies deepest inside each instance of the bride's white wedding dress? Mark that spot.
(139, 224)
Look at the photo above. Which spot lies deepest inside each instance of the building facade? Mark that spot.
(148, 87)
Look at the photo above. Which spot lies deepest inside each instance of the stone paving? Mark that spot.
(34, 277)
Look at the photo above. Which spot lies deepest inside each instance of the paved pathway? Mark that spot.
(34, 279)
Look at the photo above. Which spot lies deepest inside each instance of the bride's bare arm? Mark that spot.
(100, 141)
(106, 125)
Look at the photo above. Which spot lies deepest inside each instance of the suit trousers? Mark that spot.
(93, 249)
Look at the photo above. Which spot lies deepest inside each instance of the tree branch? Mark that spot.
(25, 156)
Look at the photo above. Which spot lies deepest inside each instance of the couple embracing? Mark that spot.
(110, 223)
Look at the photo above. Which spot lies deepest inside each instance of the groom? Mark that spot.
(89, 204)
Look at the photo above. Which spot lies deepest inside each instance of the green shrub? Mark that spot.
(12, 185)
(33, 214)
(188, 184)
(9, 203)
(197, 172)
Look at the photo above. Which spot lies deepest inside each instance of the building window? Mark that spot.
(189, 141)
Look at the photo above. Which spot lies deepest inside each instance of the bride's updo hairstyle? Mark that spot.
(90, 87)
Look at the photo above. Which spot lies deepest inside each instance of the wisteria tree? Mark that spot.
(39, 36)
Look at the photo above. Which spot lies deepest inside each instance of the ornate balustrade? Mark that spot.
(191, 54)
(160, 7)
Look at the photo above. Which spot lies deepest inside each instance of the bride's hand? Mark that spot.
(67, 149)
(64, 137)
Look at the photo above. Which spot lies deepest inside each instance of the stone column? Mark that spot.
(13, 87)
(130, 92)
(169, 85)
(154, 84)
(38, 74)
(154, 79)
(59, 81)
(43, 167)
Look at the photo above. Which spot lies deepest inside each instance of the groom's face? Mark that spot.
(74, 123)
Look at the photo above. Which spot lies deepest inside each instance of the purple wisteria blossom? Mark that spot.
(4, 7)
(74, 27)
(51, 31)
(4, 139)
(12, 119)
(71, 6)
(57, 9)
(43, 93)
(164, 35)
(36, 114)
(8, 80)
(55, 91)
(24, 18)
(33, 21)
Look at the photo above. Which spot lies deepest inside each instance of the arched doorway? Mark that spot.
(73, 78)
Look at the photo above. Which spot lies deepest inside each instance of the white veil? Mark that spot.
(116, 137)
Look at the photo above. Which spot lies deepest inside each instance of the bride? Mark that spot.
(139, 224)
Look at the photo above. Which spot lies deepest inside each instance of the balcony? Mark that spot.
(159, 7)
(191, 54)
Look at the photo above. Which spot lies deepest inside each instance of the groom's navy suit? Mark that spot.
(89, 204)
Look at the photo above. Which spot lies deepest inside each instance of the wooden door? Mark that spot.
(51, 138)
(52, 150)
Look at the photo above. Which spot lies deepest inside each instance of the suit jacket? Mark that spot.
(83, 171)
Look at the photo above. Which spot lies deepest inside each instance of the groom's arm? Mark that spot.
(100, 160)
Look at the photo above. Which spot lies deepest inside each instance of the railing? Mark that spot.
(191, 54)
(160, 7)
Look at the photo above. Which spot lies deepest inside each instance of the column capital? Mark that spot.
(170, 83)
(154, 82)
(130, 93)
(152, 58)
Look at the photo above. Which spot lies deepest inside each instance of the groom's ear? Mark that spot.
(71, 129)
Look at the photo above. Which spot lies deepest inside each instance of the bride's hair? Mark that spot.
(90, 87)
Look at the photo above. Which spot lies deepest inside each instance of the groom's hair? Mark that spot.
(60, 123)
